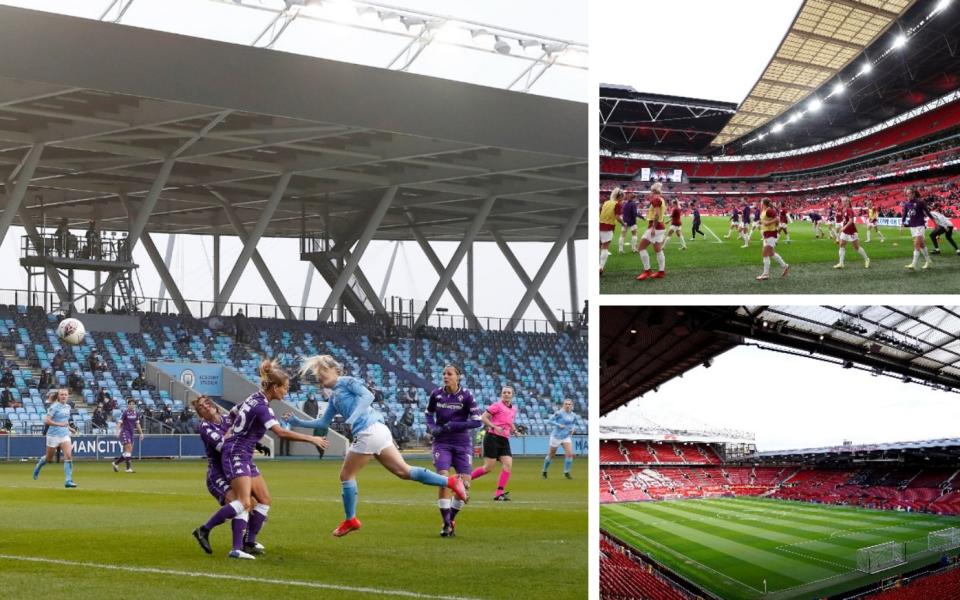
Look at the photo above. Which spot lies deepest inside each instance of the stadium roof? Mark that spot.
(643, 347)
(814, 90)
(825, 36)
(923, 447)
(116, 109)
(631, 121)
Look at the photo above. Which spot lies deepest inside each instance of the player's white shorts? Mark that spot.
(557, 442)
(770, 241)
(676, 229)
(372, 440)
(917, 231)
(654, 236)
(606, 236)
(849, 237)
(54, 441)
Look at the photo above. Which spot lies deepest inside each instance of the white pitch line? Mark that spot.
(719, 241)
(284, 582)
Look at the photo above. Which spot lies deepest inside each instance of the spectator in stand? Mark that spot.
(93, 240)
(46, 380)
(99, 420)
(944, 228)
(7, 425)
(183, 426)
(240, 326)
(409, 396)
(8, 380)
(93, 362)
(139, 383)
(57, 364)
(6, 398)
(166, 415)
(75, 382)
(63, 237)
(295, 385)
(102, 396)
(182, 336)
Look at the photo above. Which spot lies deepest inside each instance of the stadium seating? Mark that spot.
(543, 368)
(940, 586)
(623, 578)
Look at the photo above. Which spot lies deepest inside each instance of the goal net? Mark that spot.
(945, 539)
(874, 559)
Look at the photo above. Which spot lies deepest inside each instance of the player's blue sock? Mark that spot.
(40, 463)
(567, 462)
(546, 464)
(68, 469)
(427, 477)
(349, 498)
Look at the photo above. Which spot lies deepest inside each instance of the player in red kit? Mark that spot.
(769, 224)
(676, 223)
(848, 234)
(653, 235)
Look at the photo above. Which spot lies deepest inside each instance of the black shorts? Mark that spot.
(495, 446)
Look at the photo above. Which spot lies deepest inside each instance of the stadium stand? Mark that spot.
(624, 578)
(403, 368)
(940, 586)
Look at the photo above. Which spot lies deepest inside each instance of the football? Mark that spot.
(71, 331)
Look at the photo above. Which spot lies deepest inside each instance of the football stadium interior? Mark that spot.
(700, 512)
(860, 99)
(115, 138)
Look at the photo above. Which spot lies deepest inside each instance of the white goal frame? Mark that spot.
(881, 557)
(944, 539)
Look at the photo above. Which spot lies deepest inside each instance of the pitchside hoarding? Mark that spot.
(105, 446)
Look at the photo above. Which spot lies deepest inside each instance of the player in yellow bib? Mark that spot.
(654, 234)
(608, 223)
(872, 221)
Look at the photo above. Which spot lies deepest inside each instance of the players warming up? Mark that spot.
(944, 228)
(653, 235)
(734, 224)
(608, 223)
(58, 436)
(451, 415)
(784, 221)
(498, 419)
(769, 223)
(563, 422)
(250, 421)
(628, 221)
(371, 438)
(746, 228)
(915, 215)
(873, 222)
(128, 423)
(695, 227)
(676, 225)
(848, 233)
(815, 220)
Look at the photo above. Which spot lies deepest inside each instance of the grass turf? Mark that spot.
(730, 545)
(144, 520)
(712, 267)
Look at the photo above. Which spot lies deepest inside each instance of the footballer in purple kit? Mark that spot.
(451, 415)
(127, 425)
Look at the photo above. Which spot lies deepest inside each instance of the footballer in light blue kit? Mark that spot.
(564, 423)
(58, 436)
(128, 424)
(451, 415)
(371, 438)
(249, 422)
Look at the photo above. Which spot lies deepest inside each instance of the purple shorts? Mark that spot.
(218, 486)
(126, 438)
(239, 465)
(453, 455)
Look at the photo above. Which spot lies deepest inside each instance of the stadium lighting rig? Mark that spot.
(899, 42)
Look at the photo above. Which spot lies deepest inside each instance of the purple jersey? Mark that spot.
(629, 214)
(212, 436)
(746, 215)
(250, 421)
(128, 422)
(915, 213)
(454, 407)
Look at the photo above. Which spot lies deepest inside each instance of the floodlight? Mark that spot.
(501, 46)
(838, 88)
(815, 104)
(900, 41)
(778, 128)
(941, 6)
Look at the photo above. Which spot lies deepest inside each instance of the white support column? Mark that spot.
(525, 280)
(351, 264)
(216, 265)
(17, 190)
(470, 277)
(386, 278)
(534, 288)
(258, 261)
(168, 256)
(251, 244)
(447, 276)
(438, 267)
(572, 277)
(307, 283)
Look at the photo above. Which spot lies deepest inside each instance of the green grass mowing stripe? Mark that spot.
(857, 512)
(836, 521)
(730, 551)
(803, 525)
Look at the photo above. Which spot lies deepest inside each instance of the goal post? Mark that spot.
(944, 539)
(881, 557)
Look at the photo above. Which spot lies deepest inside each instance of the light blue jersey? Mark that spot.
(563, 424)
(350, 398)
(61, 414)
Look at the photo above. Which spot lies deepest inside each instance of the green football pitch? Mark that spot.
(714, 265)
(125, 535)
(729, 546)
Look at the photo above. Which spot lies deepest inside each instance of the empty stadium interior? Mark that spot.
(702, 511)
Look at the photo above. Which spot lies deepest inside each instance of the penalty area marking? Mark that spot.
(285, 582)
(719, 241)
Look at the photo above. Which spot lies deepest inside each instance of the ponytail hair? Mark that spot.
(616, 194)
(271, 375)
(312, 364)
